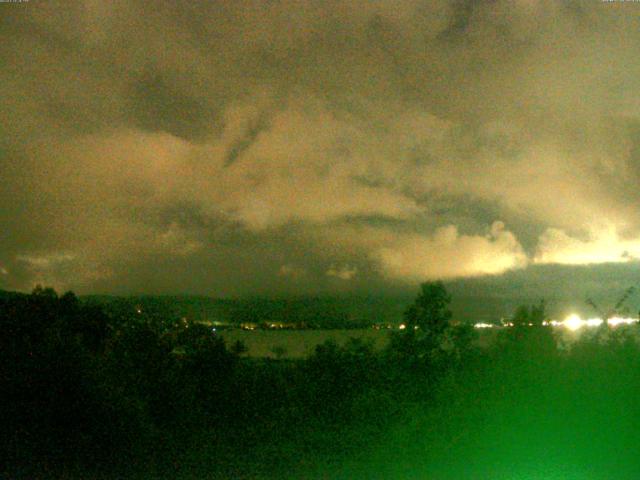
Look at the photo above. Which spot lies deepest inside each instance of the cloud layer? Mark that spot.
(293, 147)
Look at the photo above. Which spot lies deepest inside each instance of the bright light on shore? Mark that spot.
(573, 322)
(613, 321)
(593, 322)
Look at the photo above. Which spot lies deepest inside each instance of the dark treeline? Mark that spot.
(86, 394)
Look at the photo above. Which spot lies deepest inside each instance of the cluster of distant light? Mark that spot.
(403, 327)
(484, 325)
(572, 322)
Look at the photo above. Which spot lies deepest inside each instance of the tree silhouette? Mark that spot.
(239, 347)
(521, 316)
(40, 291)
(430, 311)
(530, 315)
(538, 313)
(426, 323)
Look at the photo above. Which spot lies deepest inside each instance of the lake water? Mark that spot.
(299, 343)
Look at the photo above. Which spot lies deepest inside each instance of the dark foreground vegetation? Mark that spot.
(85, 394)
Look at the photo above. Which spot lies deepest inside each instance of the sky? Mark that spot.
(289, 147)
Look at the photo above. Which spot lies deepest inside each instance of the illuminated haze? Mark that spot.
(286, 147)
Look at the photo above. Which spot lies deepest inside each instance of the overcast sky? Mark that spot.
(294, 147)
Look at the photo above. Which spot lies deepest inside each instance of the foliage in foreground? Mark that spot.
(90, 395)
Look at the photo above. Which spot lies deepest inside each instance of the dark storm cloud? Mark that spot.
(253, 146)
(566, 289)
(156, 105)
(460, 19)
